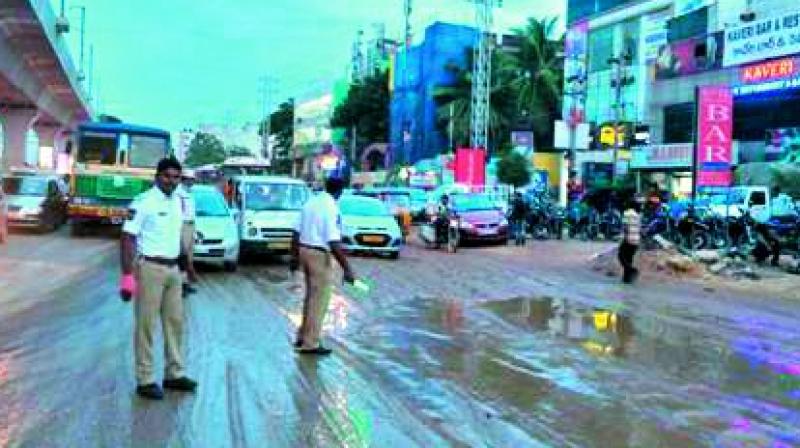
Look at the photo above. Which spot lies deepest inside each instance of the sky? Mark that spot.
(177, 63)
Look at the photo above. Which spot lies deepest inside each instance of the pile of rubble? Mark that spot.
(672, 261)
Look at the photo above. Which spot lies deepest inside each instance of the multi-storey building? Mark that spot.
(636, 64)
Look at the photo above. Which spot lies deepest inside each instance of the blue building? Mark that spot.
(414, 135)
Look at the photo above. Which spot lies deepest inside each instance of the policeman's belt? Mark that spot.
(162, 261)
(317, 248)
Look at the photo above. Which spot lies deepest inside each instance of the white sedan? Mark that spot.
(216, 235)
(369, 226)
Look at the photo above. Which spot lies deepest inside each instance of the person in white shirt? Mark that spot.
(315, 241)
(184, 192)
(150, 247)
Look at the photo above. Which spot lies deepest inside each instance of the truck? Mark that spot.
(267, 210)
(754, 199)
(112, 164)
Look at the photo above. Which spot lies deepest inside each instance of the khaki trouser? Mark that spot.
(317, 268)
(187, 241)
(159, 297)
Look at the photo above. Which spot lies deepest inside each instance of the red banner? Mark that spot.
(470, 166)
(714, 136)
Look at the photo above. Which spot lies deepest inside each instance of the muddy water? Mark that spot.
(549, 371)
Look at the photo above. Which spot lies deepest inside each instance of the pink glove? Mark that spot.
(127, 287)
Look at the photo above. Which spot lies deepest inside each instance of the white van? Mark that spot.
(267, 209)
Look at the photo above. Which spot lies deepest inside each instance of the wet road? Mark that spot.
(501, 347)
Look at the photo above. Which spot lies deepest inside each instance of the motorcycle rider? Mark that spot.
(443, 213)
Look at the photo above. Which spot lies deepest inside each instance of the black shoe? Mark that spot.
(298, 343)
(188, 289)
(321, 351)
(150, 391)
(182, 384)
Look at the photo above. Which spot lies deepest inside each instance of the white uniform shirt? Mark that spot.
(187, 203)
(320, 222)
(156, 220)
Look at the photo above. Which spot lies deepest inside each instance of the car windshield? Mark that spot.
(209, 203)
(25, 186)
(362, 207)
(470, 203)
(397, 200)
(263, 196)
(147, 150)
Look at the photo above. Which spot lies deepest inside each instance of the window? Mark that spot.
(678, 126)
(688, 25)
(146, 151)
(98, 148)
(758, 198)
(355, 206)
(601, 49)
(273, 196)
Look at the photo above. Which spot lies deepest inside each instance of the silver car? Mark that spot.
(369, 226)
(216, 233)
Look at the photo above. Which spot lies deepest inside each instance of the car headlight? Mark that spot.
(252, 231)
(503, 222)
(466, 225)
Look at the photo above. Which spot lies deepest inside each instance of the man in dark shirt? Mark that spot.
(519, 213)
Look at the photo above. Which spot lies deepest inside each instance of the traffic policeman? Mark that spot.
(184, 192)
(317, 239)
(150, 246)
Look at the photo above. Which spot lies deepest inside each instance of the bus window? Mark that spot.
(98, 148)
(146, 151)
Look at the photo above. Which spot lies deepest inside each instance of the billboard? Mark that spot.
(470, 166)
(575, 49)
(714, 145)
(690, 56)
(765, 39)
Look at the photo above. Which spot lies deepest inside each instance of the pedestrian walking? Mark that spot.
(631, 235)
(315, 241)
(518, 216)
(150, 247)
(188, 209)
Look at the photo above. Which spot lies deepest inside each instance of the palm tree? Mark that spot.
(455, 101)
(537, 75)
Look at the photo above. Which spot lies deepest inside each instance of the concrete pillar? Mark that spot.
(16, 124)
(47, 144)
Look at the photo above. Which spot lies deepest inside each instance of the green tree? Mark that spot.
(366, 109)
(282, 127)
(239, 151)
(454, 102)
(513, 169)
(537, 77)
(205, 149)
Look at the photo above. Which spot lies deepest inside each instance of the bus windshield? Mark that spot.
(146, 151)
(98, 148)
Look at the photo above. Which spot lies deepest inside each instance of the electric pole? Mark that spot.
(482, 72)
(406, 124)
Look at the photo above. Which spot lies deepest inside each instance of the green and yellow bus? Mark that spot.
(112, 164)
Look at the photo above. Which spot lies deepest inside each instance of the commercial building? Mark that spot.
(416, 74)
(633, 66)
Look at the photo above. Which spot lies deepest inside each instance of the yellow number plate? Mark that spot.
(373, 239)
(280, 245)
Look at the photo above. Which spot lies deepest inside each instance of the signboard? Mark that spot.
(663, 156)
(690, 56)
(764, 39)
(470, 166)
(575, 54)
(770, 76)
(654, 32)
(522, 142)
(714, 150)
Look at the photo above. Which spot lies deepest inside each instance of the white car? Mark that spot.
(369, 226)
(216, 234)
(269, 210)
